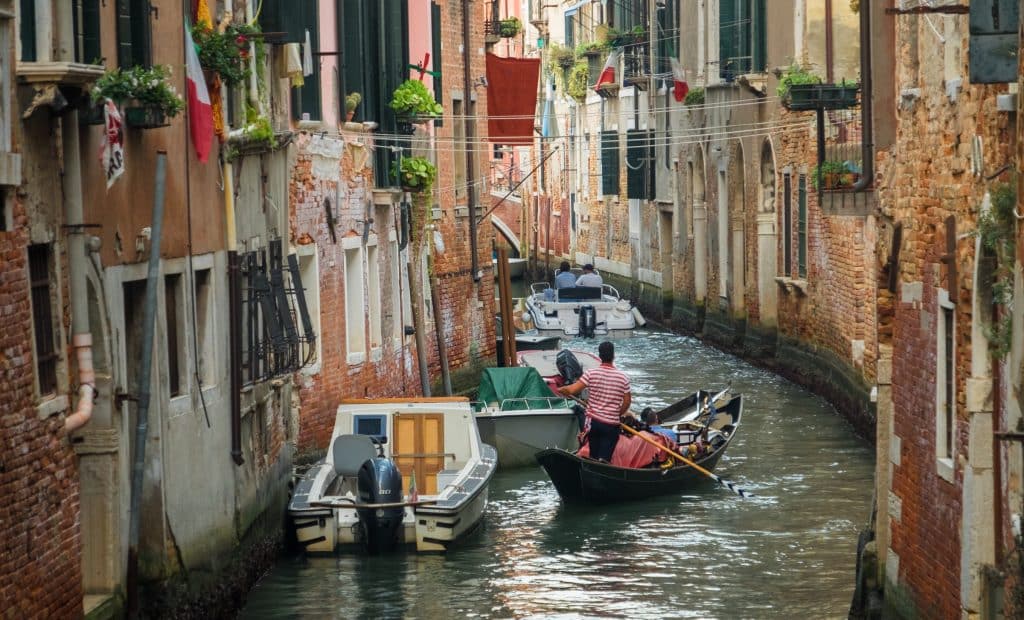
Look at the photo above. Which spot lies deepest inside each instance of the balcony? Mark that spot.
(636, 66)
(836, 176)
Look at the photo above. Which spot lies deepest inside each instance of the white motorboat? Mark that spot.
(516, 267)
(398, 473)
(519, 415)
(585, 311)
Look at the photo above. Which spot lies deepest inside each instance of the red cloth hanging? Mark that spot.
(511, 99)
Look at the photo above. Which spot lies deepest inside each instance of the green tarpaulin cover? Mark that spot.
(498, 385)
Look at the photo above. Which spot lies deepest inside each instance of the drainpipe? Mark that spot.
(868, 143)
(145, 370)
(234, 301)
(467, 57)
(81, 339)
(829, 44)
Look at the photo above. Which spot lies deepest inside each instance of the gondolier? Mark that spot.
(609, 399)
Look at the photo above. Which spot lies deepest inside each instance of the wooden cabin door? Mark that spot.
(419, 446)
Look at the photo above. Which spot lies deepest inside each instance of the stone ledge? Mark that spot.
(792, 285)
(52, 406)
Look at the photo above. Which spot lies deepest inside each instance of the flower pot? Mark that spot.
(145, 117)
(801, 97)
(349, 116)
(92, 115)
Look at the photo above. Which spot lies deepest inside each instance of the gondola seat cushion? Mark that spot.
(349, 452)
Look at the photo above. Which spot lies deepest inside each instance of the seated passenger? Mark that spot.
(589, 277)
(565, 277)
(650, 417)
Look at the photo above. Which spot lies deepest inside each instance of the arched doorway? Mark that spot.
(736, 254)
(767, 252)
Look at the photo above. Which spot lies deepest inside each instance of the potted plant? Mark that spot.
(560, 57)
(225, 54)
(148, 99)
(413, 103)
(694, 97)
(352, 101)
(796, 88)
(831, 173)
(415, 174)
(578, 81)
(510, 27)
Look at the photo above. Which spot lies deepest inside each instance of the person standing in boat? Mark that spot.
(609, 399)
(565, 278)
(589, 277)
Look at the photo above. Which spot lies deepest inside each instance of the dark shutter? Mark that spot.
(352, 25)
(994, 26)
(801, 248)
(392, 45)
(86, 24)
(435, 22)
(609, 163)
(286, 17)
(306, 98)
(787, 225)
(570, 39)
(141, 33)
(27, 15)
(639, 164)
(760, 36)
(124, 33)
(728, 22)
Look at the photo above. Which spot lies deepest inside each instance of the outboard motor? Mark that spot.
(588, 321)
(380, 482)
(568, 366)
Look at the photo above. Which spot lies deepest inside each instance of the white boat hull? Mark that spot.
(519, 435)
(615, 316)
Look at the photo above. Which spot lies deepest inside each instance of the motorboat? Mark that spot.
(546, 363)
(703, 438)
(519, 415)
(399, 473)
(585, 311)
(516, 267)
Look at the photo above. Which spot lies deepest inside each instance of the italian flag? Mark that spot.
(200, 113)
(608, 73)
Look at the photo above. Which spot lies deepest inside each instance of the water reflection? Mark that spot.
(705, 554)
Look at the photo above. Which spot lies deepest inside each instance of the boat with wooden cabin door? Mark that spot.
(399, 473)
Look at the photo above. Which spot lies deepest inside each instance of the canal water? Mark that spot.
(789, 552)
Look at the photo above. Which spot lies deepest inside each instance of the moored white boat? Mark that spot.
(585, 311)
(360, 495)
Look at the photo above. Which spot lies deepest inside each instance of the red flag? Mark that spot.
(608, 73)
(414, 495)
(511, 99)
(200, 112)
(680, 87)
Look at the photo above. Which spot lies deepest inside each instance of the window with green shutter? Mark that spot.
(609, 163)
(134, 33)
(435, 55)
(742, 38)
(27, 17)
(86, 18)
(801, 248)
(306, 98)
(640, 164)
(668, 34)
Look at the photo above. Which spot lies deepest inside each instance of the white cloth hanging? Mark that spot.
(307, 57)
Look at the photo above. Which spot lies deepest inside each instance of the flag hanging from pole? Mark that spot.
(608, 73)
(680, 86)
(200, 112)
(112, 155)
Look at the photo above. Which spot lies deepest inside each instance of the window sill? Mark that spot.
(354, 359)
(793, 285)
(376, 354)
(64, 73)
(52, 406)
(944, 467)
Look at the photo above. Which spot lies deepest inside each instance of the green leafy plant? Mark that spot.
(694, 97)
(352, 101)
(793, 75)
(591, 47)
(225, 53)
(413, 99)
(415, 174)
(560, 57)
(831, 173)
(613, 37)
(578, 81)
(258, 129)
(139, 85)
(997, 230)
(511, 27)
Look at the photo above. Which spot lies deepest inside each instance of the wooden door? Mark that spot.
(419, 446)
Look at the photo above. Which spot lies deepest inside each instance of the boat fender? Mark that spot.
(640, 320)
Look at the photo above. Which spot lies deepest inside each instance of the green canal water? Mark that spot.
(790, 552)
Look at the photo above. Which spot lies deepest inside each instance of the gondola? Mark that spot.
(582, 480)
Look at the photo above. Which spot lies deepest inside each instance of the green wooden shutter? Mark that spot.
(86, 24)
(27, 15)
(141, 33)
(727, 22)
(306, 98)
(286, 17)
(639, 164)
(994, 42)
(124, 33)
(759, 35)
(802, 226)
(435, 22)
(609, 163)
(352, 25)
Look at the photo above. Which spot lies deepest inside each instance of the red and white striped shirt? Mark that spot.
(607, 387)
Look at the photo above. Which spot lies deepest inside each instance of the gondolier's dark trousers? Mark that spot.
(603, 438)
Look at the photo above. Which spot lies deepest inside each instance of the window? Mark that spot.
(309, 273)
(801, 222)
(741, 37)
(134, 34)
(459, 120)
(945, 379)
(435, 54)
(609, 163)
(372, 425)
(373, 286)
(355, 312)
(787, 225)
(306, 98)
(570, 31)
(625, 15)
(640, 164)
(175, 347)
(39, 258)
(86, 17)
(375, 62)
(27, 27)
(668, 34)
(204, 327)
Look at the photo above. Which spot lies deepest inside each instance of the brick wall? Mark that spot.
(40, 569)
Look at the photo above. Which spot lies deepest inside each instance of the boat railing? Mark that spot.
(608, 289)
(526, 403)
(538, 287)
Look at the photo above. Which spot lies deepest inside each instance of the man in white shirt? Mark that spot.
(589, 278)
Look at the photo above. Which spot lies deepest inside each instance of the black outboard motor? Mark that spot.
(588, 321)
(568, 366)
(380, 482)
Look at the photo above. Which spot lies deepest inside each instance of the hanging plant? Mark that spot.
(592, 48)
(997, 230)
(139, 87)
(560, 58)
(694, 97)
(415, 174)
(578, 81)
(794, 75)
(510, 27)
(225, 53)
(412, 99)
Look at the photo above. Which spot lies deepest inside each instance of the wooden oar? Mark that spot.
(725, 483)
